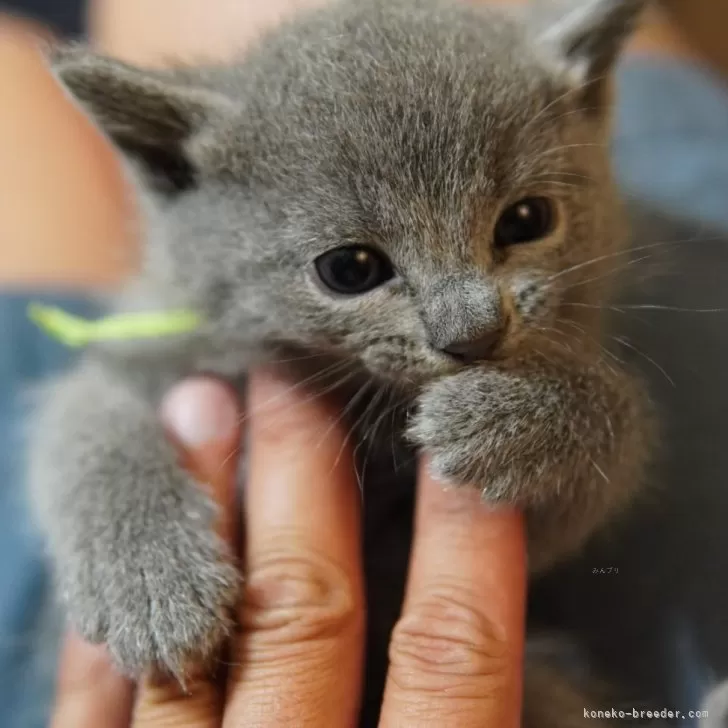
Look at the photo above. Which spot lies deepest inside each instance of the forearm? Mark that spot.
(63, 215)
(66, 218)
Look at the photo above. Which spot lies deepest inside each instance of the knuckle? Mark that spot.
(442, 641)
(300, 597)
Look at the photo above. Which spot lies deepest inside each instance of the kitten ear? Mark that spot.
(586, 36)
(149, 115)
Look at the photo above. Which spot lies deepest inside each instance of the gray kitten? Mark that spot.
(418, 190)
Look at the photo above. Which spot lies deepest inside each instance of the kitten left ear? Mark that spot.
(150, 116)
(586, 36)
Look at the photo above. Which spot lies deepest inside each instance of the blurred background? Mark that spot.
(658, 628)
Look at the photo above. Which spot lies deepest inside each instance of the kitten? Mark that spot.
(419, 190)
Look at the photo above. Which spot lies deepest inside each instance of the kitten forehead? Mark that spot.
(428, 67)
(404, 108)
(386, 87)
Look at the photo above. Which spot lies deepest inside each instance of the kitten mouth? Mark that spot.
(409, 368)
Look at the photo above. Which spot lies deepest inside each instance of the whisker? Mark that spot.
(593, 339)
(607, 274)
(255, 411)
(628, 251)
(626, 308)
(576, 339)
(646, 357)
(570, 92)
(296, 359)
(317, 376)
(584, 332)
(573, 325)
(566, 347)
(564, 147)
(352, 430)
(342, 416)
(370, 436)
(676, 309)
(559, 183)
(579, 110)
(393, 405)
(564, 173)
(600, 471)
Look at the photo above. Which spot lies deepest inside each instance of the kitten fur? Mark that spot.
(407, 125)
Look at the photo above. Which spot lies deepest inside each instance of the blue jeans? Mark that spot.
(671, 149)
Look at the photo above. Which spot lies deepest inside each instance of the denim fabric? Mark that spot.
(670, 138)
(26, 668)
(671, 149)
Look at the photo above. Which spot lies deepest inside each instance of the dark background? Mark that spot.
(63, 16)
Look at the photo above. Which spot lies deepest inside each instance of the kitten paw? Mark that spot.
(162, 601)
(476, 428)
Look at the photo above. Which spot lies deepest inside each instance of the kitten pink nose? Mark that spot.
(477, 349)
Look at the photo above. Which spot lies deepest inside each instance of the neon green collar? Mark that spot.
(77, 332)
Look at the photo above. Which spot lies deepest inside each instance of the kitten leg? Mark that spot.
(137, 561)
(565, 439)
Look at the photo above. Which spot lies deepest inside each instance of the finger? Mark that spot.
(202, 416)
(298, 658)
(90, 694)
(456, 653)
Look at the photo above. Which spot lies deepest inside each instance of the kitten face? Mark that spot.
(406, 184)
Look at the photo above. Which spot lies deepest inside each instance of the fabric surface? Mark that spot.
(27, 615)
(658, 624)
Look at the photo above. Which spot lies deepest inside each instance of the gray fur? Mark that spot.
(405, 125)
(715, 707)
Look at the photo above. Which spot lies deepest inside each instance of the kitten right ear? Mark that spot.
(149, 115)
(585, 36)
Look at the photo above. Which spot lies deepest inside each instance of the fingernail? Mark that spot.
(200, 412)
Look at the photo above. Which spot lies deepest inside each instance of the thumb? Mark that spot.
(202, 416)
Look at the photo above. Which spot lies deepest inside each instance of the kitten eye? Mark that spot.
(527, 220)
(353, 270)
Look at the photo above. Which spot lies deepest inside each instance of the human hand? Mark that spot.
(455, 655)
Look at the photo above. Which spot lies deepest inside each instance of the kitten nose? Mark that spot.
(477, 349)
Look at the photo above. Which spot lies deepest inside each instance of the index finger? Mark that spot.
(456, 654)
(298, 660)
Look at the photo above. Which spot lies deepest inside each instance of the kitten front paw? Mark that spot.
(158, 596)
(483, 427)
